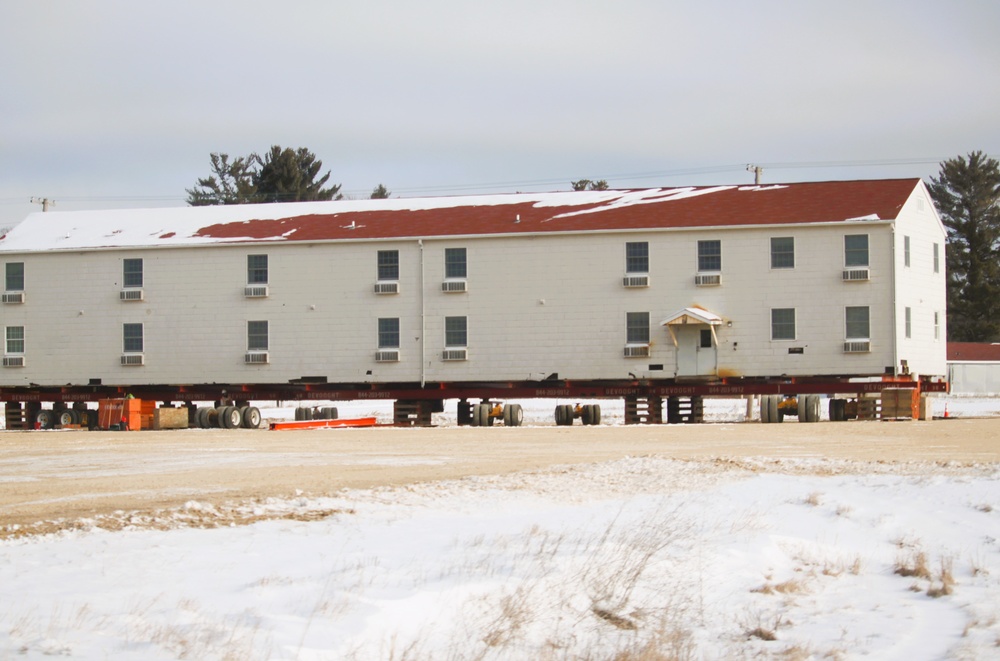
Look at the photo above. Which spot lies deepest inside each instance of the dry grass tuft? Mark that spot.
(915, 565)
(946, 580)
(814, 499)
(617, 620)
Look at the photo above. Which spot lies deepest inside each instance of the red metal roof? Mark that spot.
(973, 351)
(531, 213)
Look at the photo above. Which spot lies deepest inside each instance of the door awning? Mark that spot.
(693, 317)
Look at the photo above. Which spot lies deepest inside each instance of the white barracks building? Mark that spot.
(827, 279)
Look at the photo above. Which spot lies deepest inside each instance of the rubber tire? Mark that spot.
(233, 417)
(597, 414)
(333, 413)
(764, 410)
(559, 415)
(251, 417)
(298, 414)
(587, 415)
(66, 417)
(483, 414)
(46, 418)
(201, 417)
(810, 408)
(516, 415)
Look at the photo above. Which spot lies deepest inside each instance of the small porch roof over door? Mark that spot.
(692, 316)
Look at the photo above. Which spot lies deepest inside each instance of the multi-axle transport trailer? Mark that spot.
(659, 297)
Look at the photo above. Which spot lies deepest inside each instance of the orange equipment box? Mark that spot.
(126, 414)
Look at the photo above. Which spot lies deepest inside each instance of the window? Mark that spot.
(14, 276)
(907, 315)
(706, 338)
(857, 327)
(455, 263)
(710, 255)
(637, 328)
(937, 325)
(456, 332)
(937, 259)
(782, 252)
(132, 338)
(256, 269)
(856, 250)
(388, 333)
(783, 324)
(637, 257)
(906, 251)
(15, 339)
(257, 336)
(132, 273)
(388, 265)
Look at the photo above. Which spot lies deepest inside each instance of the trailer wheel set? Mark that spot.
(227, 417)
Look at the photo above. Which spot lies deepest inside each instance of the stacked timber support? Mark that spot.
(686, 410)
(641, 410)
(21, 416)
(412, 412)
(869, 407)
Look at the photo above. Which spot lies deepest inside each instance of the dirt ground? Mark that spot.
(50, 478)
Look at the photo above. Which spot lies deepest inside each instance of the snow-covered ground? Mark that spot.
(791, 559)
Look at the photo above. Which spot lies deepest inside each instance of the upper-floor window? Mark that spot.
(14, 280)
(937, 325)
(456, 332)
(388, 265)
(455, 265)
(131, 273)
(132, 338)
(15, 339)
(906, 251)
(937, 259)
(637, 257)
(858, 326)
(257, 336)
(856, 250)
(710, 255)
(782, 252)
(783, 323)
(388, 333)
(256, 269)
(637, 327)
(908, 318)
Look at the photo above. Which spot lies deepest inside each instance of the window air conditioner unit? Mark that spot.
(637, 351)
(455, 354)
(14, 297)
(386, 287)
(256, 358)
(708, 279)
(13, 361)
(132, 359)
(857, 346)
(451, 286)
(130, 295)
(635, 281)
(387, 356)
(856, 275)
(255, 291)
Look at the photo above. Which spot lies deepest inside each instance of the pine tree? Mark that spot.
(380, 193)
(967, 195)
(588, 184)
(230, 183)
(290, 176)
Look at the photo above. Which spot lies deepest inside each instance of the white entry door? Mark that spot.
(696, 351)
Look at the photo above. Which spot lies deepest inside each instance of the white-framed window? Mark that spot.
(637, 257)
(907, 322)
(855, 250)
(782, 323)
(257, 335)
(14, 276)
(637, 328)
(455, 263)
(937, 325)
(710, 255)
(256, 269)
(906, 251)
(132, 340)
(456, 332)
(388, 333)
(782, 252)
(14, 340)
(937, 258)
(388, 265)
(857, 324)
(132, 273)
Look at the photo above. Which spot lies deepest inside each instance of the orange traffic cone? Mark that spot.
(946, 409)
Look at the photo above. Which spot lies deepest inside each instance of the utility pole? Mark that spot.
(757, 172)
(44, 201)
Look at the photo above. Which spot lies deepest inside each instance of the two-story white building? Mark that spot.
(832, 279)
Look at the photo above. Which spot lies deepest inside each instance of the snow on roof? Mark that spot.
(520, 213)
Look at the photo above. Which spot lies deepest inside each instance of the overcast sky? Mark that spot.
(108, 103)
